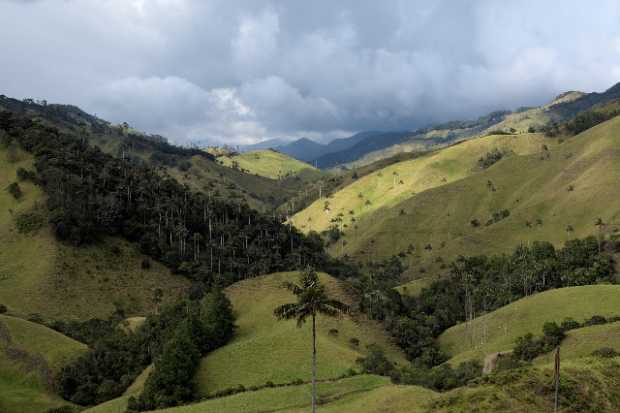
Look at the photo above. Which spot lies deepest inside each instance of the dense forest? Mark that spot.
(214, 241)
(477, 285)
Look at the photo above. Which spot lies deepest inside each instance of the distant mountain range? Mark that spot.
(369, 146)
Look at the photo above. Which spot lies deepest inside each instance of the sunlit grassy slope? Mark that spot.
(498, 330)
(40, 275)
(270, 164)
(583, 341)
(359, 394)
(265, 349)
(568, 186)
(587, 385)
(389, 186)
(30, 354)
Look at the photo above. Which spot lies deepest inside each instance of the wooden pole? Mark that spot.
(556, 378)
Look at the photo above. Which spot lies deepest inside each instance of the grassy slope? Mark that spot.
(40, 275)
(498, 330)
(586, 384)
(270, 164)
(265, 349)
(383, 190)
(583, 341)
(360, 394)
(258, 191)
(529, 186)
(24, 385)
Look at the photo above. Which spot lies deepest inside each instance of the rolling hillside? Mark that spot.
(245, 359)
(30, 354)
(270, 164)
(387, 187)
(191, 166)
(551, 194)
(40, 275)
(498, 330)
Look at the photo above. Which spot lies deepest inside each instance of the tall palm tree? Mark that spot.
(312, 299)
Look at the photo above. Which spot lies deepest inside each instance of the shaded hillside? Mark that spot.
(30, 355)
(41, 275)
(192, 166)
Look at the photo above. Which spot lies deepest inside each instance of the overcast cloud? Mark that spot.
(241, 71)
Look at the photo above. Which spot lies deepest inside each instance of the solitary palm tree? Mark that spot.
(312, 299)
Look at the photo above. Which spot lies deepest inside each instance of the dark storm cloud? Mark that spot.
(240, 71)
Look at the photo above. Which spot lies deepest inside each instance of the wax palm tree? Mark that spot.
(312, 299)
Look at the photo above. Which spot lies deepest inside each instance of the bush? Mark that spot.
(596, 320)
(553, 334)
(354, 342)
(333, 332)
(3, 309)
(25, 175)
(29, 222)
(569, 324)
(15, 190)
(376, 362)
(528, 348)
(605, 352)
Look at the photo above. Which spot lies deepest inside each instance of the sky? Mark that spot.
(238, 72)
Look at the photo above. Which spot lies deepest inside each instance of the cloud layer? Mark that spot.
(238, 72)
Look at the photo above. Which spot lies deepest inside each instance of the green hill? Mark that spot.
(391, 185)
(270, 164)
(498, 330)
(40, 275)
(265, 349)
(553, 195)
(30, 354)
(586, 384)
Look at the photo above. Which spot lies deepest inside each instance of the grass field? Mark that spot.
(498, 330)
(359, 394)
(586, 385)
(40, 275)
(30, 354)
(568, 186)
(583, 341)
(265, 349)
(270, 164)
(389, 186)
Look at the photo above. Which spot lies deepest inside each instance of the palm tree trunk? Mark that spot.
(313, 363)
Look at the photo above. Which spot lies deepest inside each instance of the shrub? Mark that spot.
(25, 175)
(354, 342)
(376, 362)
(553, 334)
(605, 352)
(333, 332)
(29, 222)
(528, 348)
(596, 320)
(3, 309)
(569, 324)
(15, 190)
